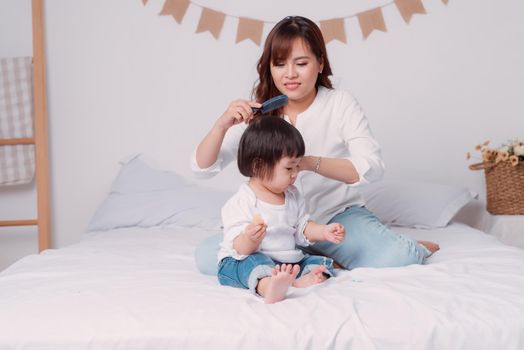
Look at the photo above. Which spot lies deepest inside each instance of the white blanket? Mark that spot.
(140, 289)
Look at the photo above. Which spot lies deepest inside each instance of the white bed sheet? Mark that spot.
(140, 289)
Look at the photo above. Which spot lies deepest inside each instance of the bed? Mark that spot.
(137, 287)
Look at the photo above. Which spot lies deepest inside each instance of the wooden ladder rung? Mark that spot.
(20, 141)
(10, 223)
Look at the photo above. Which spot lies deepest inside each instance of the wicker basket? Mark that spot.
(504, 187)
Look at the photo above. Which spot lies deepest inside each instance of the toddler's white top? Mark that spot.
(285, 224)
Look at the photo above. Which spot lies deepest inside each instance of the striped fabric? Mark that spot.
(17, 163)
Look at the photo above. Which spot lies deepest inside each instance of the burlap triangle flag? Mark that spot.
(333, 29)
(211, 21)
(250, 29)
(408, 8)
(144, 2)
(371, 20)
(445, 1)
(175, 8)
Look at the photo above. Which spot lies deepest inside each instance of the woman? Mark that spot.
(341, 151)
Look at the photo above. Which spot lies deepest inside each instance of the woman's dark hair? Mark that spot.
(266, 140)
(277, 47)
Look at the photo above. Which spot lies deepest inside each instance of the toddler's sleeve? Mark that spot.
(235, 218)
(303, 219)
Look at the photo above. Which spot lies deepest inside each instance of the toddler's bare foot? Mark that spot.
(316, 276)
(432, 247)
(281, 278)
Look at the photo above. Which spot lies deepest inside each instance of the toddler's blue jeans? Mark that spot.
(247, 272)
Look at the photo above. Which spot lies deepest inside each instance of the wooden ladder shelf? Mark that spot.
(40, 139)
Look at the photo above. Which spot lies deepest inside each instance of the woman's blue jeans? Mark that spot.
(368, 243)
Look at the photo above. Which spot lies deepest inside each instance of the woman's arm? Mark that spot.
(208, 149)
(333, 168)
(364, 162)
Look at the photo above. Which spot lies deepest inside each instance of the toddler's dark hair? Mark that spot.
(266, 140)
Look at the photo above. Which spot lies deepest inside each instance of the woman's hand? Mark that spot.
(334, 233)
(237, 112)
(208, 149)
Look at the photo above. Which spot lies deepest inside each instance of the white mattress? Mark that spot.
(140, 289)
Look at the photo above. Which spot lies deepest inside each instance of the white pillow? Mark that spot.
(415, 204)
(143, 196)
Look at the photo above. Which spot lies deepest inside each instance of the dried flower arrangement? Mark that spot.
(513, 152)
(504, 172)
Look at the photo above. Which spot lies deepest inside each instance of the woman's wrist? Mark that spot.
(219, 127)
(311, 163)
(316, 168)
(308, 163)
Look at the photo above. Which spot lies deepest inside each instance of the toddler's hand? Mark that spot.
(334, 233)
(255, 232)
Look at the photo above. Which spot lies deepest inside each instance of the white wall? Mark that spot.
(122, 79)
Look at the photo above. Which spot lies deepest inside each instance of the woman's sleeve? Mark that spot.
(364, 150)
(228, 153)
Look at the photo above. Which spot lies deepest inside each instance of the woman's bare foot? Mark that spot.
(316, 276)
(432, 247)
(281, 278)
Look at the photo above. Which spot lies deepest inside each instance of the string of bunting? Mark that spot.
(212, 20)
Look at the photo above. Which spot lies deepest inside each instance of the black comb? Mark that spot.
(271, 104)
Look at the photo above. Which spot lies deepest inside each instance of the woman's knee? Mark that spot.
(206, 254)
(369, 243)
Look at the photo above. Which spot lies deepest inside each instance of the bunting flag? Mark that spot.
(175, 8)
(371, 20)
(333, 29)
(212, 20)
(250, 29)
(408, 8)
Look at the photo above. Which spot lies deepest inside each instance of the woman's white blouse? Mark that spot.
(334, 126)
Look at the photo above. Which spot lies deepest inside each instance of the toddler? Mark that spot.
(266, 218)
